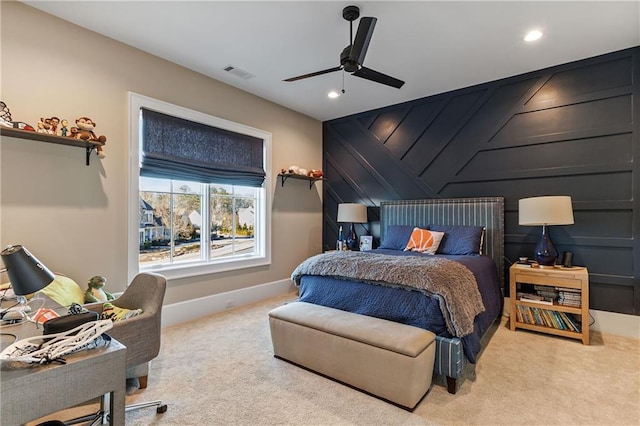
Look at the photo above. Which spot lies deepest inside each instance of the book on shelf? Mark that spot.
(546, 291)
(536, 315)
(534, 298)
(558, 321)
(537, 294)
(570, 304)
(565, 320)
(571, 322)
(576, 303)
(547, 318)
(519, 315)
(569, 289)
(569, 297)
(542, 302)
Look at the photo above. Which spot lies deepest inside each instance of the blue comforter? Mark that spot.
(407, 305)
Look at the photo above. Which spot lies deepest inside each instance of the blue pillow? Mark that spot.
(397, 237)
(459, 239)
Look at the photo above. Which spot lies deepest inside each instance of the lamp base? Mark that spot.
(352, 239)
(16, 314)
(545, 254)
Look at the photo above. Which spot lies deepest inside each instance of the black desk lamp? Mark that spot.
(26, 273)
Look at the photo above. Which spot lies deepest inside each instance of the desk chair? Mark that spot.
(140, 334)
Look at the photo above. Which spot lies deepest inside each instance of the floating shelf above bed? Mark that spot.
(44, 137)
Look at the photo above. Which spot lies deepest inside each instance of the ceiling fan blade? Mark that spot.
(378, 77)
(363, 37)
(313, 74)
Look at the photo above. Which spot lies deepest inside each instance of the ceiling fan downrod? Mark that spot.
(349, 13)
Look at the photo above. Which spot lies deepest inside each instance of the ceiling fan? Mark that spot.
(352, 56)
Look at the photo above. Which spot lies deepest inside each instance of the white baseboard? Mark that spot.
(606, 322)
(176, 313)
(615, 323)
(188, 310)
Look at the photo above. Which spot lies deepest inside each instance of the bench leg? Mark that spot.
(451, 385)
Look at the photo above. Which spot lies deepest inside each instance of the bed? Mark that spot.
(400, 286)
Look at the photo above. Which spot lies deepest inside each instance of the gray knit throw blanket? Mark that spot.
(453, 283)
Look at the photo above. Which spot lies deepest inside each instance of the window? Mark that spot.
(194, 217)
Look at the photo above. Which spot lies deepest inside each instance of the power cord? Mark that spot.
(15, 338)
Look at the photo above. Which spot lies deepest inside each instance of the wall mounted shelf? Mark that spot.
(285, 176)
(44, 137)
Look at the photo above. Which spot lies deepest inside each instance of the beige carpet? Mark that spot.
(220, 370)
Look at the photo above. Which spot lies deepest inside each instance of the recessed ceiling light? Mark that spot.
(533, 35)
(333, 94)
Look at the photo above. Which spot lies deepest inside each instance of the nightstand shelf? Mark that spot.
(557, 319)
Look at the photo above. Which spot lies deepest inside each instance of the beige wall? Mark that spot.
(74, 217)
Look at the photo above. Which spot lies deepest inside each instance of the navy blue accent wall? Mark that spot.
(567, 130)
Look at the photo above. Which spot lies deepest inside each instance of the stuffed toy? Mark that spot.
(315, 173)
(95, 293)
(293, 170)
(84, 131)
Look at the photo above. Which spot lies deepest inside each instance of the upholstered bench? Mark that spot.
(390, 360)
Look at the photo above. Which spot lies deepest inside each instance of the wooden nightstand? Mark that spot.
(566, 314)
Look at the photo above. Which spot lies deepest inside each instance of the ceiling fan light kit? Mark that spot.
(352, 56)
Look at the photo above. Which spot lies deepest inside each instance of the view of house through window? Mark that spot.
(183, 221)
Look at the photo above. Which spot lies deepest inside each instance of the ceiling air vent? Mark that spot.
(238, 72)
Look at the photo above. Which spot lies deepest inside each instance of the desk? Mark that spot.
(28, 392)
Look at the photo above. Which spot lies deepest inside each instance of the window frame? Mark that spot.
(263, 217)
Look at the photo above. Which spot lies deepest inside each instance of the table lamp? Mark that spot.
(26, 273)
(545, 211)
(354, 213)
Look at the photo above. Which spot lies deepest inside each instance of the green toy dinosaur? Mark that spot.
(95, 293)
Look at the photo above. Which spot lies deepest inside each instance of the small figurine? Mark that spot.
(44, 126)
(64, 127)
(95, 293)
(54, 125)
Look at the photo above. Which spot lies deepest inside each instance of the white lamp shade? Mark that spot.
(352, 212)
(551, 210)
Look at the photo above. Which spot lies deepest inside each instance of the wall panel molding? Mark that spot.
(567, 130)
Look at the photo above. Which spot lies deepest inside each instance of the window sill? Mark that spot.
(197, 269)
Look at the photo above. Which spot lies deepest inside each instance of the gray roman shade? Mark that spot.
(175, 148)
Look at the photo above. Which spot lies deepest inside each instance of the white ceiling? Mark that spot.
(433, 46)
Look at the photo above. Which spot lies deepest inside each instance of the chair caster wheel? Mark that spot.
(161, 409)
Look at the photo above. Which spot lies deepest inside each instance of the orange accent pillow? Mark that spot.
(424, 241)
